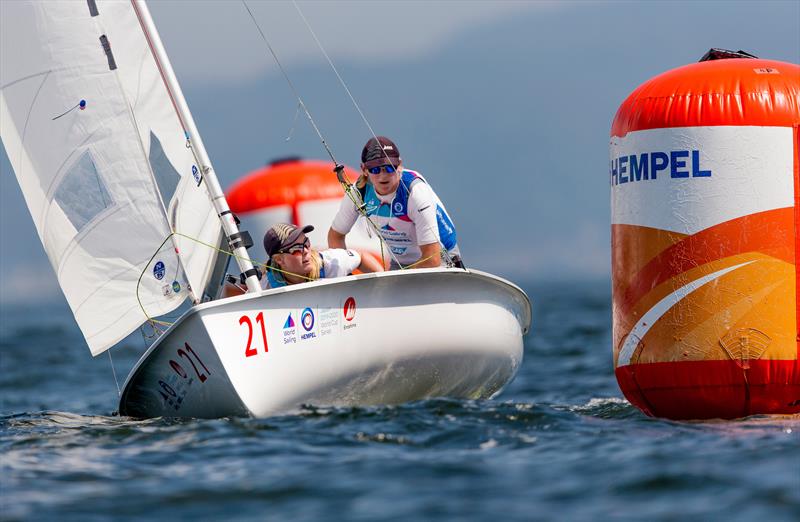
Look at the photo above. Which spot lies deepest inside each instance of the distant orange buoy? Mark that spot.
(705, 204)
(293, 190)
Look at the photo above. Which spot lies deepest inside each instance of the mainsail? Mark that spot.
(102, 159)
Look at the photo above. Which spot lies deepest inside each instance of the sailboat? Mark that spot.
(135, 224)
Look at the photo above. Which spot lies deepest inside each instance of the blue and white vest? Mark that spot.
(396, 226)
(276, 280)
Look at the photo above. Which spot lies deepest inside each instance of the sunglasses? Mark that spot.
(296, 248)
(377, 170)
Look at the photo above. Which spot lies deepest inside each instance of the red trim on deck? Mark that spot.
(712, 389)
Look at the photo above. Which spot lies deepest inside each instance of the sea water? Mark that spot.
(560, 443)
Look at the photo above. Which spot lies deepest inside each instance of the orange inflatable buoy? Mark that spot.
(705, 204)
(297, 191)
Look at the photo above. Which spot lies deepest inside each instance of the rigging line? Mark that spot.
(151, 44)
(146, 265)
(344, 85)
(294, 123)
(291, 85)
(444, 251)
(356, 199)
(119, 392)
(154, 322)
(341, 80)
(164, 206)
(339, 76)
(348, 188)
(135, 123)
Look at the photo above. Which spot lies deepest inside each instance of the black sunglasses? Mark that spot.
(296, 248)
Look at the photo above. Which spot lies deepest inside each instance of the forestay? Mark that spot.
(101, 157)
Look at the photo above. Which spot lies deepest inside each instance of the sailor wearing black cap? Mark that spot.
(292, 260)
(407, 213)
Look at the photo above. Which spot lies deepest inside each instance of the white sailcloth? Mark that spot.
(100, 154)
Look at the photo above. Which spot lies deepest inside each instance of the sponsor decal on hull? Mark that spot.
(185, 366)
(308, 323)
(328, 321)
(289, 330)
(349, 313)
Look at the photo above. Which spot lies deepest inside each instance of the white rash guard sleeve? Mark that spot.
(422, 211)
(339, 262)
(346, 216)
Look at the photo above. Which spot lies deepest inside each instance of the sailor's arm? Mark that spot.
(430, 257)
(369, 263)
(422, 210)
(335, 239)
(344, 220)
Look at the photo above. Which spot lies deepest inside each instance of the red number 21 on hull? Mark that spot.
(249, 350)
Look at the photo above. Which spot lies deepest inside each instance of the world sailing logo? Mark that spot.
(289, 331)
(289, 322)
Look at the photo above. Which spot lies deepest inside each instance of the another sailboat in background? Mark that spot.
(133, 220)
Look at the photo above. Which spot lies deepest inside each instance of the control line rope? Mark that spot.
(443, 251)
(155, 323)
(113, 372)
(338, 167)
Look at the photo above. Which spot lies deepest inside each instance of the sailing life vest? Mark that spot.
(335, 262)
(395, 225)
(276, 280)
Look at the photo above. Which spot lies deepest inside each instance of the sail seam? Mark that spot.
(111, 280)
(137, 130)
(28, 116)
(204, 166)
(76, 240)
(126, 332)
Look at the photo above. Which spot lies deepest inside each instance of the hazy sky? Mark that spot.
(504, 106)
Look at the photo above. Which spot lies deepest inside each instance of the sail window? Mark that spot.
(167, 177)
(82, 193)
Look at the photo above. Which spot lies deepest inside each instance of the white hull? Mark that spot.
(411, 335)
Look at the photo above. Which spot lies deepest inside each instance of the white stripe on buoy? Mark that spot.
(654, 314)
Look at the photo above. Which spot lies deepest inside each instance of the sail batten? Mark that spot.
(99, 152)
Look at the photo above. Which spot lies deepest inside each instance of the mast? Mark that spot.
(232, 233)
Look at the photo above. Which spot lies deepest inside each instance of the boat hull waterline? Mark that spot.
(362, 340)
